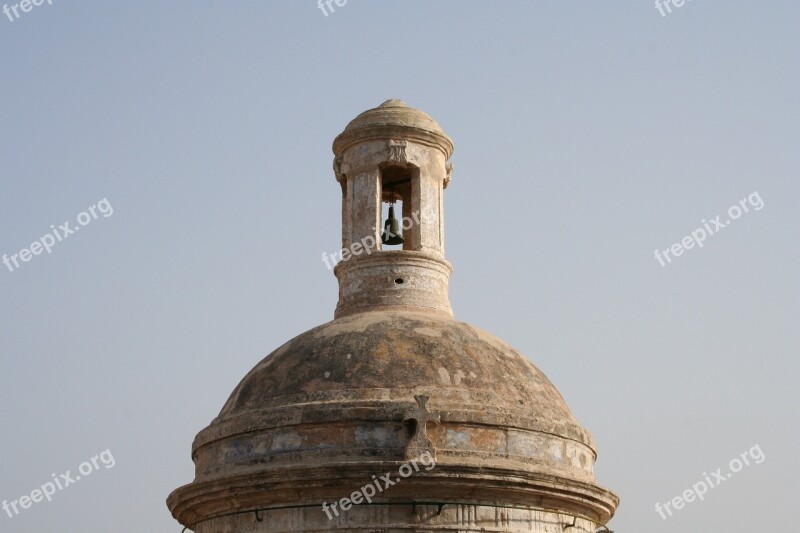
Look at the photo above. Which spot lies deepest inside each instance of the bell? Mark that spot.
(391, 229)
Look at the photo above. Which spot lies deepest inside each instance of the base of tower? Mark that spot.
(401, 518)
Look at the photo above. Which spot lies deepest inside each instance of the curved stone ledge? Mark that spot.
(335, 409)
(488, 447)
(456, 518)
(290, 486)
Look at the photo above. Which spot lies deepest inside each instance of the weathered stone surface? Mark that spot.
(394, 279)
(331, 403)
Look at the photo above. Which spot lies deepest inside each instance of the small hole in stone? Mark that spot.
(399, 281)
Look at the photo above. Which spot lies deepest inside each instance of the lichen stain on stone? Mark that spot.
(430, 332)
(444, 376)
(557, 453)
(286, 441)
(384, 351)
(378, 436)
(456, 439)
(239, 451)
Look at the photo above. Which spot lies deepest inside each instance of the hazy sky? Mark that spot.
(587, 136)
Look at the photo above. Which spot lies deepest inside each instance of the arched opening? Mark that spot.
(397, 184)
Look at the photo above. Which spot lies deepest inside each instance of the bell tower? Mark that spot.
(393, 153)
(394, 417)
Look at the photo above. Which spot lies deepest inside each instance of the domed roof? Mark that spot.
(376, 362)
(342, 401)
(387, 354)
(393, 117)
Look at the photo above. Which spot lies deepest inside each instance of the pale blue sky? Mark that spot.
(587, 135)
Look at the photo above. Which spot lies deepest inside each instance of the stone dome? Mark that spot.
(394, 118)
(330, 404)
(385, 357)
(392, 381)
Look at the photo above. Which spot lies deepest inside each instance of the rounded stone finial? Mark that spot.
(394, 119)
(394, 102)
